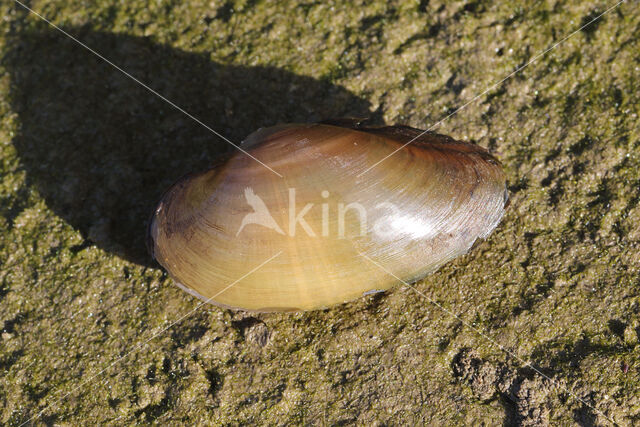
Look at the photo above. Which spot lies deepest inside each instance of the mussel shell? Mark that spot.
(424, 205)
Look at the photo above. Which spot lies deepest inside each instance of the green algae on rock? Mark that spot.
(557, 283)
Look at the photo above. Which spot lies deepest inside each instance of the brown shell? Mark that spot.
(424, 205)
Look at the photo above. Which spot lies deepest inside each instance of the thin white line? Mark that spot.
(83, 383)
(491, 340)
(191, 116)
(535, 58)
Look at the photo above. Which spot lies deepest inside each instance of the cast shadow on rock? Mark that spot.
(101, 149)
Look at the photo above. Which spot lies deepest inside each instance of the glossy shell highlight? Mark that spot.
(423, 206)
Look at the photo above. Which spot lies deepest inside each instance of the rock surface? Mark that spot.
(537, 325)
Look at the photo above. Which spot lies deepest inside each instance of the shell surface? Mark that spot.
(330, 228)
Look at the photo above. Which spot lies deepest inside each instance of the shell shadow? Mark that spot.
(101, 149)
